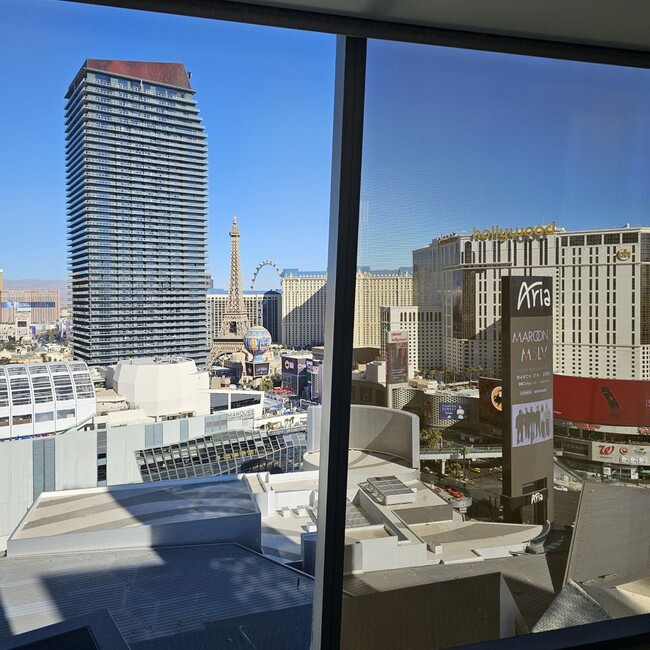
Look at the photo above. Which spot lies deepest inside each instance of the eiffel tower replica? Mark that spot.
(235, 319)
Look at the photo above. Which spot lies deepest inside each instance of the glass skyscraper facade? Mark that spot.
(136, 162)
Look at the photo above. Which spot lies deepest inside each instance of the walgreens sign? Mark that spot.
(621, 454)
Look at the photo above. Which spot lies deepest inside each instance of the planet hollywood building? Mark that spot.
(601, 322)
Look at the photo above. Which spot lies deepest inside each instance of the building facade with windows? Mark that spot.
(303, 308)
(601, 296)
(136, 160)
(264, 308)
(424, 328)
(43, 305)
(44, 398)
(377, 289)
(304, 304)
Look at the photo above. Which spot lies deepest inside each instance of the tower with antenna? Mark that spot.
(235, 319)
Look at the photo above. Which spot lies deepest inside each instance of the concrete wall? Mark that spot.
(382, 554)
(384, 430)
(242, 529)
(75, 464)
(452, 613)
(75, 454)
(373, 428)
(16, 483)
(269, 501)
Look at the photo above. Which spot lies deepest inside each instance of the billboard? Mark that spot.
(453, 410)
(626, 454)
(314, 370)
(27, 305)
(289, 365)
(616, 402)
(397, 358)
(532, 423)
(291, 383)
(313, 366)
(293, 365)
(254, 369)
(530, 358)
(527, 398)
(491, 401)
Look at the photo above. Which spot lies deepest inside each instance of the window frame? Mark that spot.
(342, 254)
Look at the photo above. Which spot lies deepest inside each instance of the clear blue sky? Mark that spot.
(266, 98)
(453, 139)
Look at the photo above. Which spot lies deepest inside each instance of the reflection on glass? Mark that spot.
(480, 167)
(169, 453)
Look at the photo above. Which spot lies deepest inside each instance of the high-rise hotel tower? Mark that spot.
(136, 159)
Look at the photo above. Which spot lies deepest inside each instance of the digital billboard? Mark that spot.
(397, 358)
(289, 365)
(291, 383)
(530, 356)
(453, 410)
(313, 366)
(254, 369)
(532, 423)
(617, 402)
(527, 398)
(294, 365)
(314, 369)
(491, 401)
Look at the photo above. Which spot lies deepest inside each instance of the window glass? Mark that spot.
(204, 121)
(502, 250)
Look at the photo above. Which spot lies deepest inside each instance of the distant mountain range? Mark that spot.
(61, 285)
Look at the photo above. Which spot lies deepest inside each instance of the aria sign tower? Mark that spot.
(527, 374)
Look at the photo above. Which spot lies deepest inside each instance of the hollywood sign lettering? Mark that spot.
(504, 234)
(533, 295)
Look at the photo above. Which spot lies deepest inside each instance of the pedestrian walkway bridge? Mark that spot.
(448, 451)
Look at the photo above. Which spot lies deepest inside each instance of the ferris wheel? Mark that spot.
(260, 266)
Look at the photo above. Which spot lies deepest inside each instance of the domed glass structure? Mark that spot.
(257, 341)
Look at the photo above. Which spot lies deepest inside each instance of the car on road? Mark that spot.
(560, 488)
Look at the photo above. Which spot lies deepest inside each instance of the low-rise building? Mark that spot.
(44, 398)
(42, 305)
